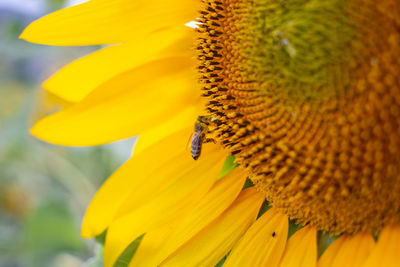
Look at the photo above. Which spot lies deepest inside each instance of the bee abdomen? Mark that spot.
(196, 150)
(196, 145)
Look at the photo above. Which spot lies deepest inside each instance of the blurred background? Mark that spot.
(44, 189)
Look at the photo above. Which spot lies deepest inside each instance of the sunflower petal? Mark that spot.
(301, 249)
(125, 106)
(210, 207)
(350, 252)
(386, 252)
(79, 78)
(150, 243)
(210, 245)
(130, 176)
(165, 201)
(330, 253)
(162, 178)
(263, 244)
(186, 118)
(109, 21)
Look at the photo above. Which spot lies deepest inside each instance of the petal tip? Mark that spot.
(40, 133)
(28, 34)
(39, 32)
(86, 232)
(22, 36)
(90, 228)
(35, 132)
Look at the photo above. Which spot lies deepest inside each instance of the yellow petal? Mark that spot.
(179, 190)
(186, 118)
(221, 195)
(109, 21)
(163, 177)
(263, 244)
(301, 249)
(387, 250)
(210, 245)
(78, 79)
(104, 206)
(125, 106)
(330, 253)
(353, 251)
(150, 243)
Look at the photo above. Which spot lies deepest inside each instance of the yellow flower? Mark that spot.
(305, 94)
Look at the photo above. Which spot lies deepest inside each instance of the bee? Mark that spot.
(200, 129)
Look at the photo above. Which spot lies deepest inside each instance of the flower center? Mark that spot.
(306, 95)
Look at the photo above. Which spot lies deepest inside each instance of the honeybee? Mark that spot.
(200, 129)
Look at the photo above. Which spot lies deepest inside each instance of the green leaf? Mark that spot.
(101, 238)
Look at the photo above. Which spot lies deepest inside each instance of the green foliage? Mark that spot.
(44, 189)
(264, 208)
(293, 228)
(221, 263)
(323, 241)
(229, 166)
(56, 4)
(49, 230)
(13, 28)
(101, 239)
(248, 183)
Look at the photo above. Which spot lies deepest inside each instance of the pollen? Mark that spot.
(306, 95)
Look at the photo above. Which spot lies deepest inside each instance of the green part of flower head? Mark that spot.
(299, 49)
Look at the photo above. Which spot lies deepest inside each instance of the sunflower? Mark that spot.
(303, 96)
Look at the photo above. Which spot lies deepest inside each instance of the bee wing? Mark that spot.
(189, 144)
